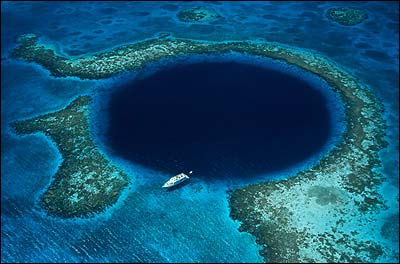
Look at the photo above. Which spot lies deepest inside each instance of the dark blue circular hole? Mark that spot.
(218, 119)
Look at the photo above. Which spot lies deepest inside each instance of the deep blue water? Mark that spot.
(218, 117)
(144, 226)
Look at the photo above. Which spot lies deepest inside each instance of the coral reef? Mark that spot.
(197, 14)
(347, 16)
(85, 183)
(322, 214)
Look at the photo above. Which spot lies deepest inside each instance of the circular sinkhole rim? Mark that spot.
(99, 113)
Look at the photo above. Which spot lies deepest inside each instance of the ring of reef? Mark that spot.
(343, 185)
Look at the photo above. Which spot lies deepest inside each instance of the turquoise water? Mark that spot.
(148, 224)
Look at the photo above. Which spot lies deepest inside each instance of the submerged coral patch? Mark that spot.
(326, 195)
(86, 182)
(197, 14)
(347, 16)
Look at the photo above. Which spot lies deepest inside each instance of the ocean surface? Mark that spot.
(141, 121)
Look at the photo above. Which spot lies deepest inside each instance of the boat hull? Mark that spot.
(173, 181)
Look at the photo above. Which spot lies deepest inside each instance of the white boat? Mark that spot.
(181, 177)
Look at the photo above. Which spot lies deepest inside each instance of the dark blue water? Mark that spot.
(215, 117)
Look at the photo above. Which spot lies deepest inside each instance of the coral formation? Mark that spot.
(86, 182)
(197, 14)
(347, 16)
